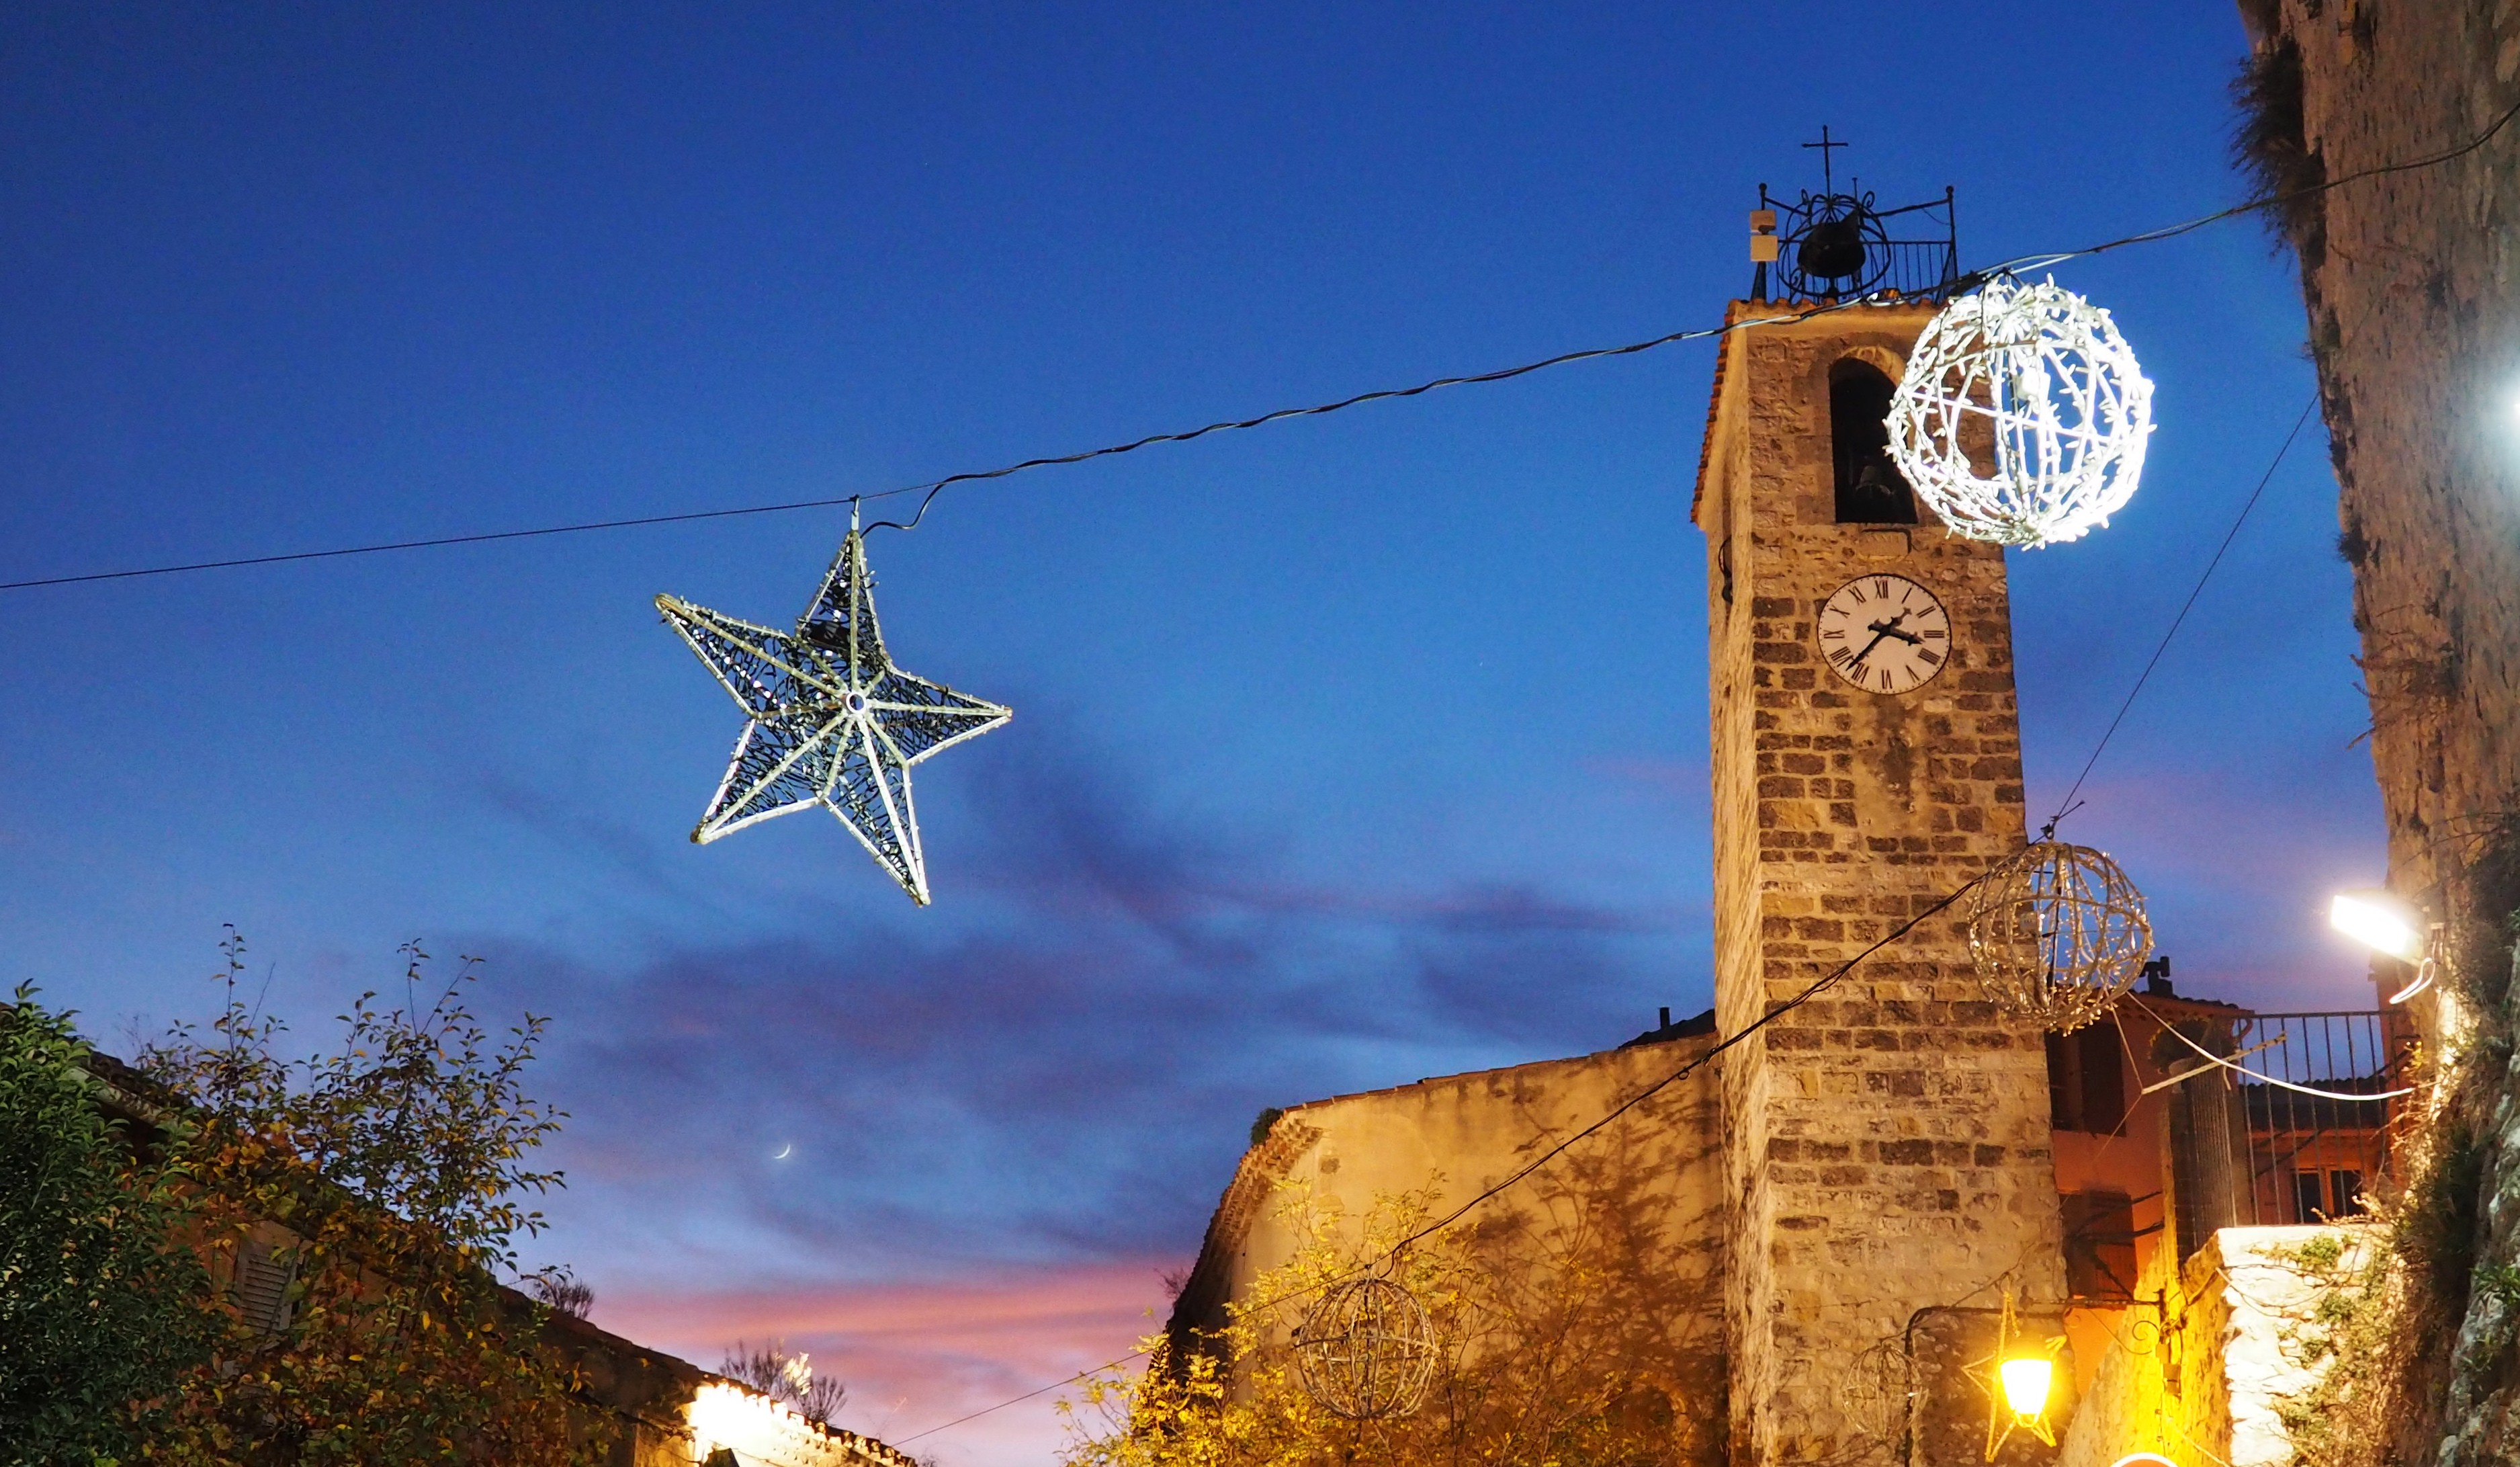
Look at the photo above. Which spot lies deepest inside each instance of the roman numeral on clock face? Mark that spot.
(1886, 635)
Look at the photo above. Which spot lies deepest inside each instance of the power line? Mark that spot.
(933, 488)
(1520, 1174)
(2065, 807)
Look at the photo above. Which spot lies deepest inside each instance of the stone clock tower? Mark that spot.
(1888, 1143)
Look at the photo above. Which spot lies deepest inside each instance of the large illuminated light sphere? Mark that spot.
(2057, 933)
(2034, 382)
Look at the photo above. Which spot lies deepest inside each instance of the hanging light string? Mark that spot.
(929, 489)
(933, 488)
(2029, 262)
(2069, 804)
(1689, 1068)
(2168, 1027)
(2065, 807)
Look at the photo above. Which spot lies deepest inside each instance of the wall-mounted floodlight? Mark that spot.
(2387, 924)
(2380, 922)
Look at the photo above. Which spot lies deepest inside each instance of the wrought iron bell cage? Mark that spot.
(1836, 245)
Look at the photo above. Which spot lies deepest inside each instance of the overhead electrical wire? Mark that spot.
(933, 488)
(929, 489)
(2172, 1030)
(1691, 1067)
(2065, 807)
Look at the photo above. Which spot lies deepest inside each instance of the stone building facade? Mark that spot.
(1888, 1142)
(2411, 280)
(1844, 1194)
(1461, 1134)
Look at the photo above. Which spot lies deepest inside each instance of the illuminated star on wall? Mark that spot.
(834, 722)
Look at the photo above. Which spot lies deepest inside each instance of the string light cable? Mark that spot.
(2243, 1070)
(2068, 806)
(1687, 1068)
(929, 489)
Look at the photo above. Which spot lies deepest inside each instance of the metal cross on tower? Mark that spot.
(1828, 174)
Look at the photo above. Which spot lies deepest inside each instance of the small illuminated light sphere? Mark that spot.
(2057, 933)
(2034, 382)
(2380, 922)
(1367, 1350)
(2143, 1459)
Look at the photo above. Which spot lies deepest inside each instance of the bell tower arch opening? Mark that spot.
(1870, 487)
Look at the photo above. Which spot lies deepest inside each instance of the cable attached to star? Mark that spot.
(929, 489)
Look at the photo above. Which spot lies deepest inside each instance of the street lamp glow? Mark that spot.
(2026, 1382)
(2380, 922)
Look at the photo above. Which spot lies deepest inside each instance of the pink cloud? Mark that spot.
(917, 1354)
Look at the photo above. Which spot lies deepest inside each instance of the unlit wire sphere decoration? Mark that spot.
(2057, 933)
(2035, 382)
(1366, 1350)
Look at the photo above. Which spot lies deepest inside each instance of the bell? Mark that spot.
(1831, 249)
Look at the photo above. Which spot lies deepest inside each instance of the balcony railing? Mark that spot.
(2302, 1137)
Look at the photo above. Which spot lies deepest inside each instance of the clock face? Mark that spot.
(1885, 633)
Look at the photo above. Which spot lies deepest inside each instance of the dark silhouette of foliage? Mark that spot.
(382, 1186)
(781, 1376)
(99, 1298)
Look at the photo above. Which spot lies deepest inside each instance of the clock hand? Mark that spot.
(1890, 628)
(1877, 635)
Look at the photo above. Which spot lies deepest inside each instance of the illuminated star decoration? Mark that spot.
(834, 722)
(2014, 1347)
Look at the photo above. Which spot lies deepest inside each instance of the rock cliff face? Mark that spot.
(2412, 284)
(2411, 279)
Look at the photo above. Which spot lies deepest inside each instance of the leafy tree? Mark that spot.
(97, 1297)
(385, 1183)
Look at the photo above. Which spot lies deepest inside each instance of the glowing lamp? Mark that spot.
(2026, 1382)
(2380, 922)
(2143, 1459)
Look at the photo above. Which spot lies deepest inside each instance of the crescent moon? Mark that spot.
(783, 1152)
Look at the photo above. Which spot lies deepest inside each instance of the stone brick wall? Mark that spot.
(2412, 285)
(2207, 1375)
(1888, 1144)
(2411, 282)
(1654, 1179)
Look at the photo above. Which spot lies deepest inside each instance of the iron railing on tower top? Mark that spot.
(1840, 247)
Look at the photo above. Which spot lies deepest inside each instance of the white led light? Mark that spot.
(2380, 922)
(2035, 383)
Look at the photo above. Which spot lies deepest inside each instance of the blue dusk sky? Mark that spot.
(1347, 751)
